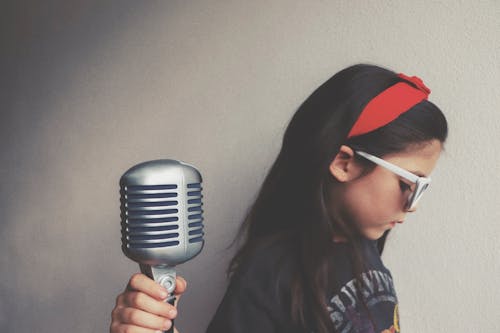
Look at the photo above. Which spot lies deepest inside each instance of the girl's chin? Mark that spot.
(373, 235)
(376, 234)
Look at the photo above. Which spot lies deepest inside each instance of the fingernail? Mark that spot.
(172, 312)
(167, 324)
(163, 293)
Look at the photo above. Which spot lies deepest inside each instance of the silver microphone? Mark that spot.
(161, 218)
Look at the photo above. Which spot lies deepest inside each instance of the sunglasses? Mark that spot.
(420, 183)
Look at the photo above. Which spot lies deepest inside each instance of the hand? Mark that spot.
(141, 308)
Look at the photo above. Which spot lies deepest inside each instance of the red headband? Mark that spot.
(390, 104)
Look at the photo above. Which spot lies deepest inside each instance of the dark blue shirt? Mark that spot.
(258, 300)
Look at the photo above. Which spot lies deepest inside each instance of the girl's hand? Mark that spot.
(142, 307)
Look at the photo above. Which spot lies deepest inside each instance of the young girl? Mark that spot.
(355, 160)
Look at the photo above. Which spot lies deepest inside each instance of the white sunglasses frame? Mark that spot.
(421, 183)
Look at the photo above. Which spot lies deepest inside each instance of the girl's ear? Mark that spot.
(343, 167)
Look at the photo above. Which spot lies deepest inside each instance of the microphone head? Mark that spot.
(161, 212)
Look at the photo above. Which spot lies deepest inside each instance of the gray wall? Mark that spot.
(90, 88)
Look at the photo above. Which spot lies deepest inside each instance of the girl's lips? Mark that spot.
(393, 223)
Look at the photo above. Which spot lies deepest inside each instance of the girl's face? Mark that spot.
(375, 201)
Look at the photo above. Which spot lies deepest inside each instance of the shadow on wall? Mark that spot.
(42, 45)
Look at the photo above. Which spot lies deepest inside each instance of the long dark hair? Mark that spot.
(291, 204)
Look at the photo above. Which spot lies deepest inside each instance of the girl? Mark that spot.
(355, 160)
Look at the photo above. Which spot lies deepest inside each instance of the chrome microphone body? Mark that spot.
(161, 217)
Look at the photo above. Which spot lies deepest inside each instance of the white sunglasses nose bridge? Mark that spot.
(411, 205)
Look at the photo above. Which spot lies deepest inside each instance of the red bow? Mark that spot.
(416, 81)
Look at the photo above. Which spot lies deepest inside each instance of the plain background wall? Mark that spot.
(90, 88)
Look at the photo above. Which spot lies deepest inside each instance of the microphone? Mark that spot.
(161, 218)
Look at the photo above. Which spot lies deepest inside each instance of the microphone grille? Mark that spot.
(161, 212)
